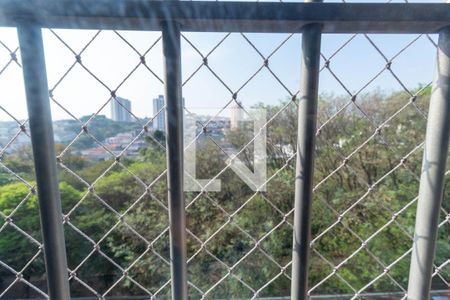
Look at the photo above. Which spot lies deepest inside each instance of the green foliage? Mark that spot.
(20, 162)
(19, 203)
(101, 128)
(140, 193)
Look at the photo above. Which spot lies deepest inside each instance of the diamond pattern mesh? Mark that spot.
(115, 211)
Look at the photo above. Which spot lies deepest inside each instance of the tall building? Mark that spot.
(159, 123)
(237, 115)
(120, 112)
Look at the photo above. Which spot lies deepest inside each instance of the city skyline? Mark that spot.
(233, 62)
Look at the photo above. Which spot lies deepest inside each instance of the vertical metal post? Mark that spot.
(432, 177)
(307, 113)
(40, 120)
(175, 149)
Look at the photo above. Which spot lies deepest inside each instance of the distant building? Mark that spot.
(160, 120)
(237, 115)
(98, 153)
(120, 109)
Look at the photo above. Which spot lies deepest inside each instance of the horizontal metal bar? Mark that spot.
(228, 16)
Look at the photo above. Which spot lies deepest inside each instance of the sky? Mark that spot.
(111, 60)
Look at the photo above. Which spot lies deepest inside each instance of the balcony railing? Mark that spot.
(234, 243)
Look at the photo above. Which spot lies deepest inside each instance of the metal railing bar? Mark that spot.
(307, 119)
(41, 129)
(209, 16)
(432, 177)
(174, 146)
